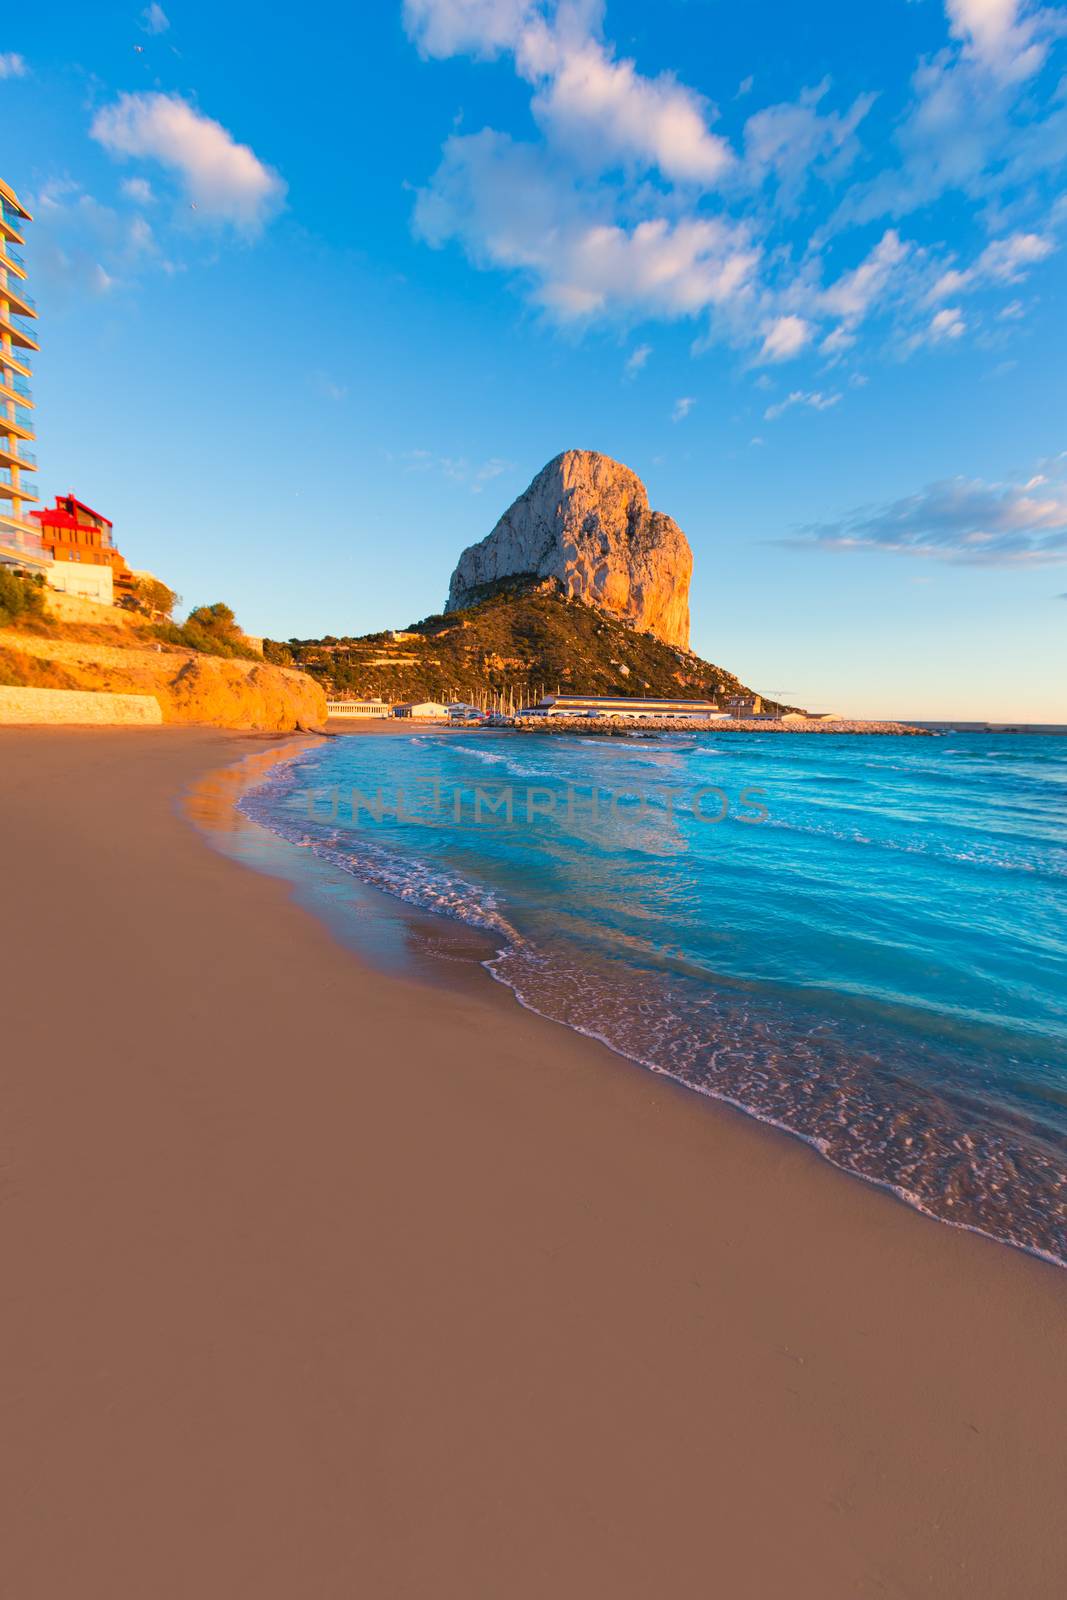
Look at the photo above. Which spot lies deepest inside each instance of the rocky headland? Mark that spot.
(585, 521)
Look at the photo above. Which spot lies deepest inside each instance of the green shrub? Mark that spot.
(21, 596)
(212, 630)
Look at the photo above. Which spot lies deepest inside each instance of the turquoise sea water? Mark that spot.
(861, 939)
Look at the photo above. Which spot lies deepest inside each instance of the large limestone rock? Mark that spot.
(585, 520)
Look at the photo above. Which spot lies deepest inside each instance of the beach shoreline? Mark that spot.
(326, 1280)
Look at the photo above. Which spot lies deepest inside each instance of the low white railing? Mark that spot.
(358, 708)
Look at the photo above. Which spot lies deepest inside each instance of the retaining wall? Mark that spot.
(76, 706)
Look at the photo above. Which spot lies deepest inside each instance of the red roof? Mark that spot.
(56, 517)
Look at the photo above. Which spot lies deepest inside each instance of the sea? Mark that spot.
(861, 940)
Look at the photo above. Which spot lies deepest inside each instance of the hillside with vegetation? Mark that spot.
(520, 638)
(204, 670)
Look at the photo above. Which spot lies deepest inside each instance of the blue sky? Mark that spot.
(317, 301)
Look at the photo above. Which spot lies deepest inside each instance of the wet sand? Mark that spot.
(324, 1283)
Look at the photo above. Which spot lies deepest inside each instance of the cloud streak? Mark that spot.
(964, 521)
(814, 399)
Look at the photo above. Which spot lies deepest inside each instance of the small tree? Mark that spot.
(211, 629)
(154, 598)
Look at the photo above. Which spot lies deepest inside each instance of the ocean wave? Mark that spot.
(407, 878)
(1053, 869)
(958, 1169)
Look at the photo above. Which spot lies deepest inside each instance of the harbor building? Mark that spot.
(358, 708)
(81, 545)
(599, 705)
(20, 543)
(430, 709)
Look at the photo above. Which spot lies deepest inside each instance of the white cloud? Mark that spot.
(963, 520)
(854, 293)
(637, 358)
(154, 19)
(977, 124)
(484, 28)
(472, 475)
(82, 246)
(1006, 260)
(1003, 261)
(683, 407)
(139, 190)
(837, 342)
(784, 338)
(628, 203)
(226, 181)
(999, 34)
(946, 324)
(793, 141)
(813, 399)
(509, 208)
(12, 65)
(597, 106)
(605, 111)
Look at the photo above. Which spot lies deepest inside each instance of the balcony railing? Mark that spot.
(21, 325)
(25, 458)
(19, 328)
(22, 536)
(16, 353)
(11, 380)
(7, 477)
(15, 291)
(11, 216)
(12, 254)
(22, 418)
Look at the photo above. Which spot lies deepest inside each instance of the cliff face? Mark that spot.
(585, 520)
(236, 694)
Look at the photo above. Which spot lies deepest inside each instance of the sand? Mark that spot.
(319, 1283)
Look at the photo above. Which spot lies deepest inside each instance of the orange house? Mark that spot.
(73, 531)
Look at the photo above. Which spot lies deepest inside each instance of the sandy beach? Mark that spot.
(324, 1283)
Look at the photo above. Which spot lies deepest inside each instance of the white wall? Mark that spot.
(84, 578)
